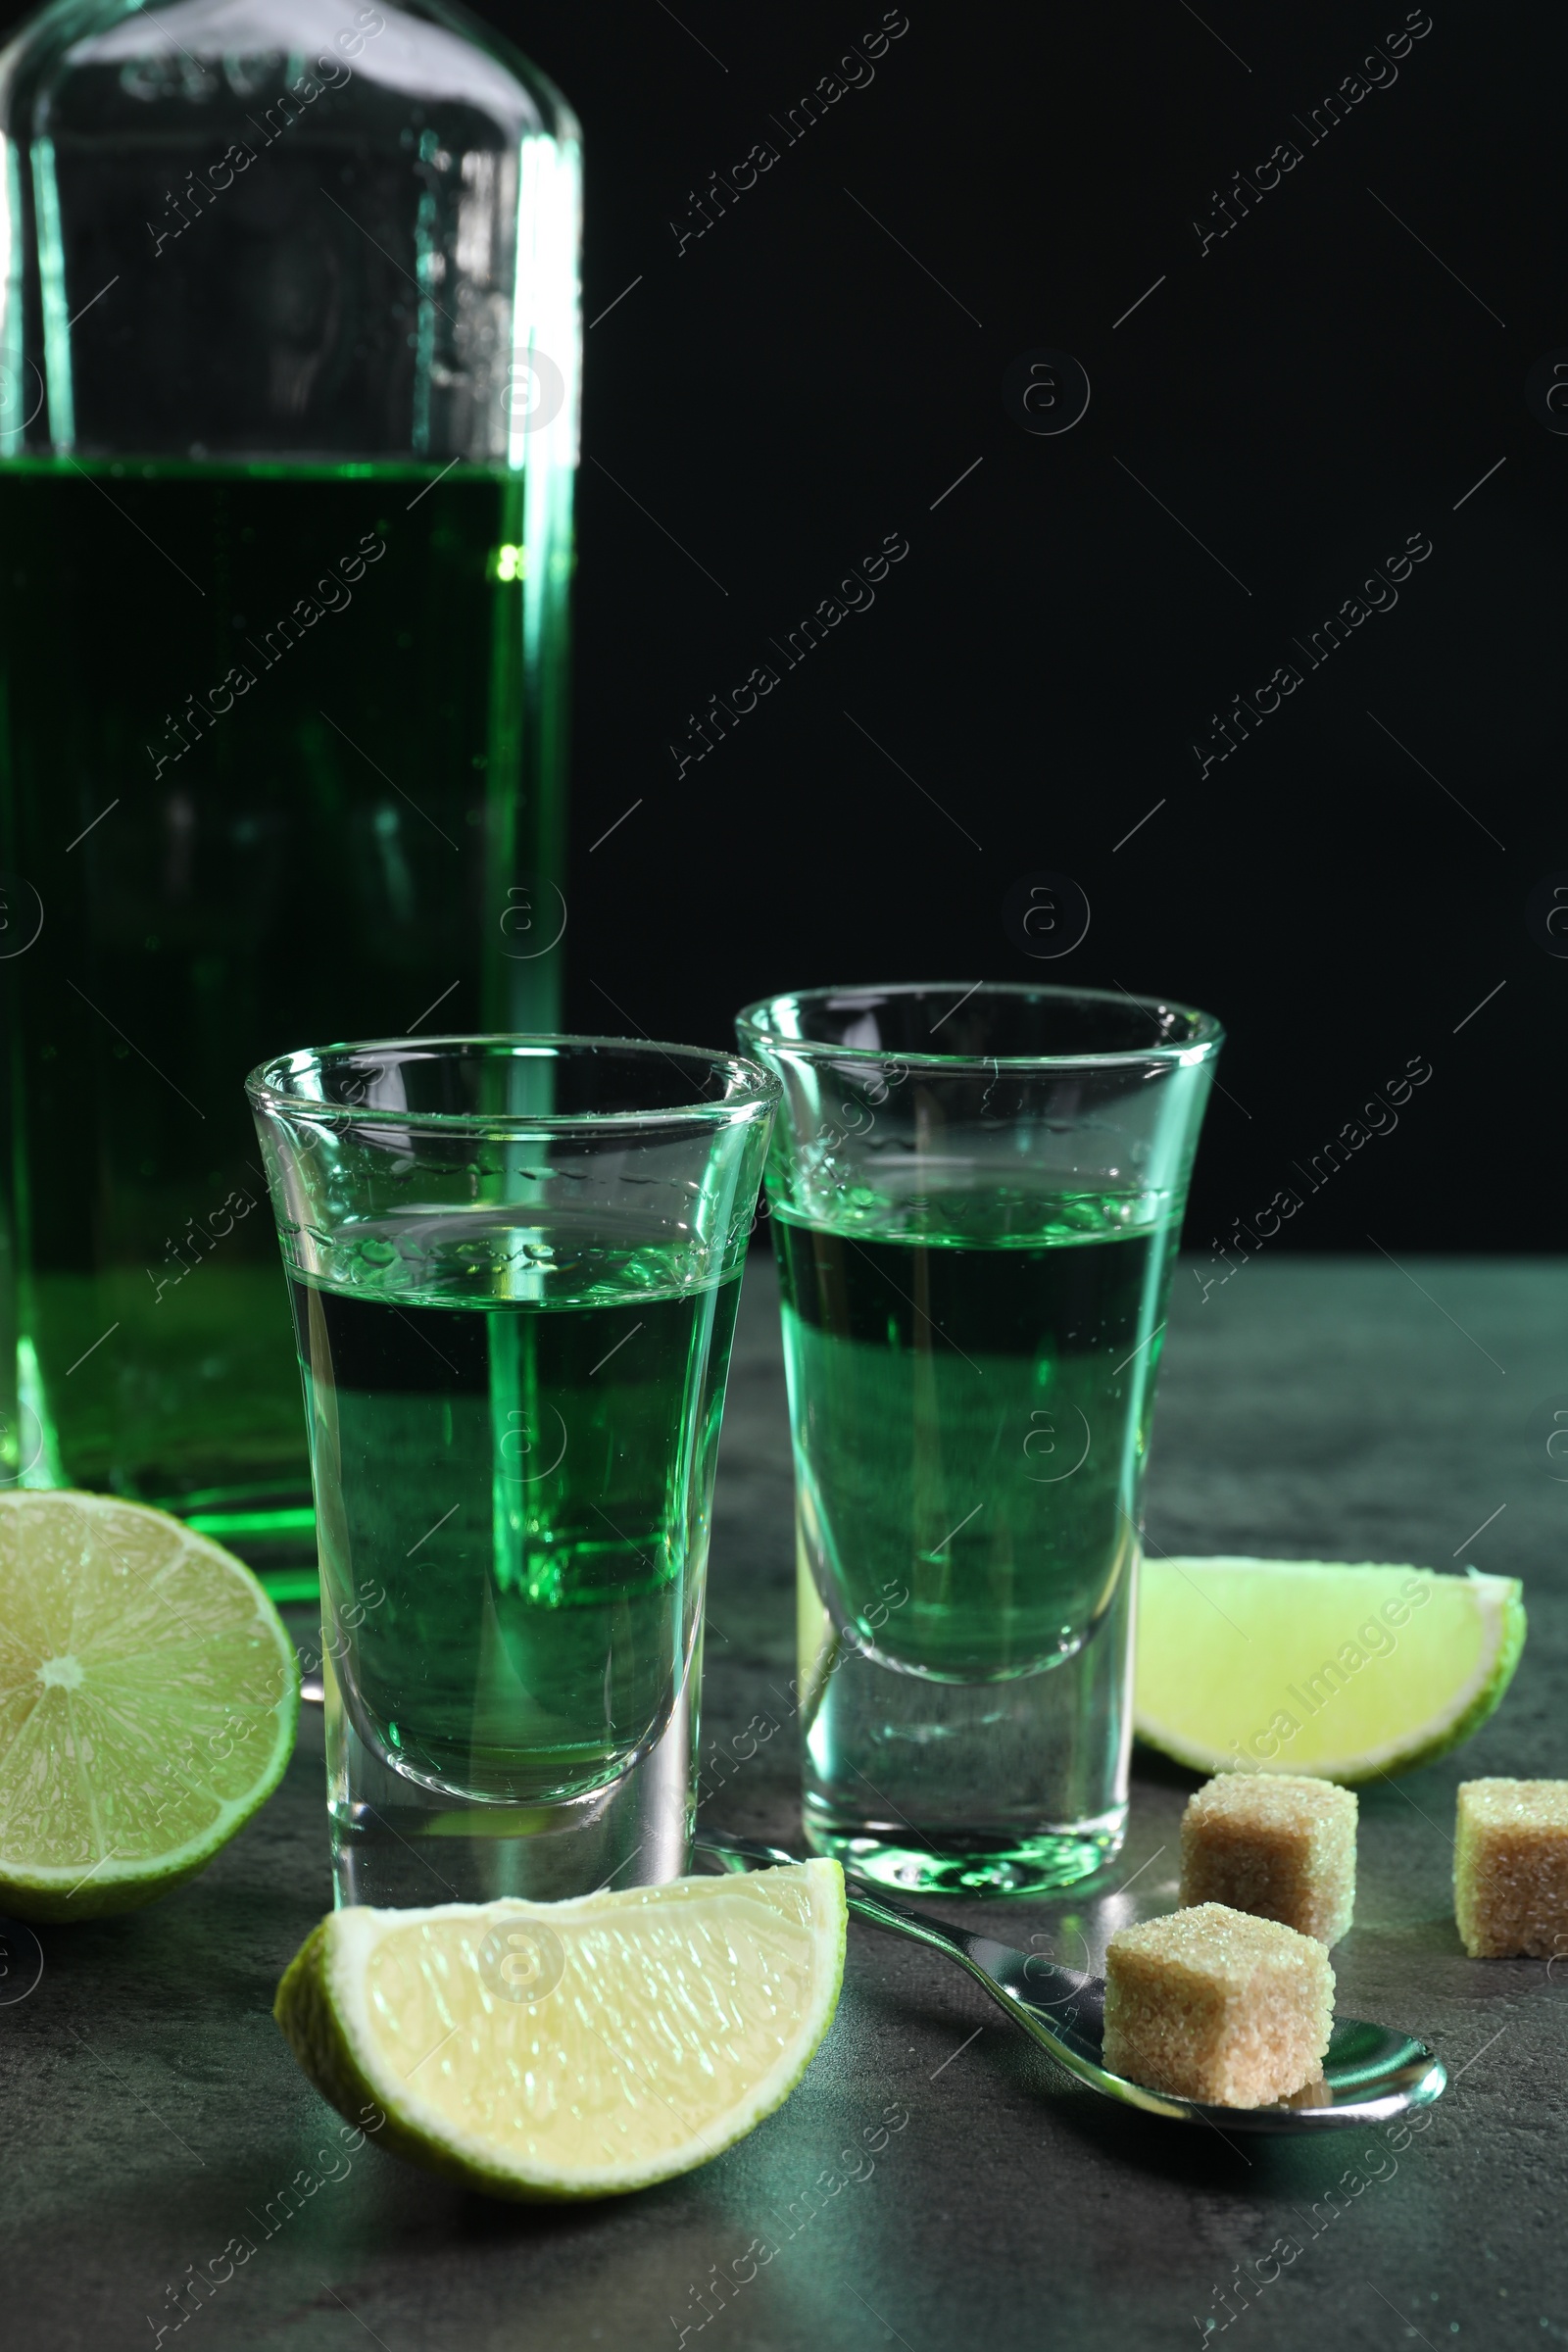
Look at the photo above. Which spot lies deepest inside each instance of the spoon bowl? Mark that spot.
(1371, 2075)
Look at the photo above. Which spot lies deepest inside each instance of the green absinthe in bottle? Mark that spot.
(288, 394)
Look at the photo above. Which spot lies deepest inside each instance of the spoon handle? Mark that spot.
(734, 1853)
(879, 1911)
(965, 1950)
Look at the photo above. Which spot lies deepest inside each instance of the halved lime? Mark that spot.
(148, 1698)
(1312, 1666)
(577, 2049)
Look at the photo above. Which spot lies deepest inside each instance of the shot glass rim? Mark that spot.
(759, 1089)
(1208, 1037)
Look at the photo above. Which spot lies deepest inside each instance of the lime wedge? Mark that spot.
(148, 1697)
(1314, 1666)
(579, 2049)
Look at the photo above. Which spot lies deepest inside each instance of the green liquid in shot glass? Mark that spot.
(513, 1505)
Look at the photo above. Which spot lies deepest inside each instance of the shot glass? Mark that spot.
(514, 1264)
(976, 1196)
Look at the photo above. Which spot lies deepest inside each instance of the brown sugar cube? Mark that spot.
(1511, 1869)
(1280, 1847)
(1216, 2005)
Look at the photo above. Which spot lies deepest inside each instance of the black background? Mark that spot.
(765, 406)
(1313, 389)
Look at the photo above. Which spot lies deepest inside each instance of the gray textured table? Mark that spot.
(1354, 1411)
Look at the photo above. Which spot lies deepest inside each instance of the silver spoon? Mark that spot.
(1371, 2073)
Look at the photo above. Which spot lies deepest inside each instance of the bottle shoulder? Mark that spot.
(102, 67)
(324, 229)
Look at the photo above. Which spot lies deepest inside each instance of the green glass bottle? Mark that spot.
(290, 358)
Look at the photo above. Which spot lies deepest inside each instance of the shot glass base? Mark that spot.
(968, 1788)
(970, 1862)
(397, 1846)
